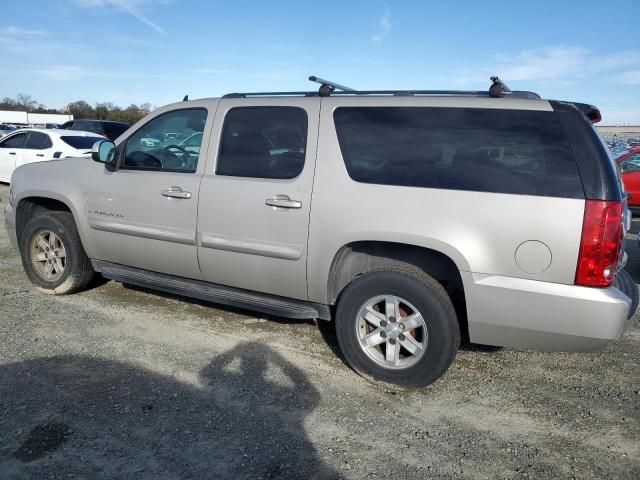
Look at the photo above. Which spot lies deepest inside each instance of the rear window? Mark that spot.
(487, 150)
(80, 143)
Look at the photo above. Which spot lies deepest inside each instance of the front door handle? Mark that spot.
(282, 201)
(12, 153)
(176, 192)
(39, 154)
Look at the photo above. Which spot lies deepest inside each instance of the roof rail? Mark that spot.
(498, 89)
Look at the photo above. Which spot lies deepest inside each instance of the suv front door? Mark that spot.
(255, 200)
(144, 214)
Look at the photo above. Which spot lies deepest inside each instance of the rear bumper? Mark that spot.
(529, 314)
(10, 224)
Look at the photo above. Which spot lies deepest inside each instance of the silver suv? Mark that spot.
(413, 219)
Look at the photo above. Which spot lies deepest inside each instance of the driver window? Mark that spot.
(631, 164)
(169, 142)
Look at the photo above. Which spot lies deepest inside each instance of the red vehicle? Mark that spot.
(629, 165)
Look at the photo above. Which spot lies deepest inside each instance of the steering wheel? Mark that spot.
(177, 147)
(180, 162)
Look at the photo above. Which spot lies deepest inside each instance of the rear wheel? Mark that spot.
(397, 327)
(52, 254)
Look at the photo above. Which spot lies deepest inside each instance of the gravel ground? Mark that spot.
(119, 382)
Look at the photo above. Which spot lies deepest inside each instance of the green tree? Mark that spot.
(81, 109)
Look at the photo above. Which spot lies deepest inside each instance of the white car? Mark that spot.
(36, 145)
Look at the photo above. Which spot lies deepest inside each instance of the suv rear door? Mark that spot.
(37, 148)
(255, 195)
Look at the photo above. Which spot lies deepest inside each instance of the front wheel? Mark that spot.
(52, 254)
(397, 327)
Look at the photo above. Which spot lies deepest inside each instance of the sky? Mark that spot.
(157, 51)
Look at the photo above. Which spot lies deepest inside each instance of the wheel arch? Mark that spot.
(31, 205)
(358, 258)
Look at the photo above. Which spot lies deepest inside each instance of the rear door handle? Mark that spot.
(176, 192)
(12, 153)
(39, 154)
(282, 201)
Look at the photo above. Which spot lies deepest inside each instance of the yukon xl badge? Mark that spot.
(105, 214)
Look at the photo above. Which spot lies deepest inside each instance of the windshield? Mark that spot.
(80, 143)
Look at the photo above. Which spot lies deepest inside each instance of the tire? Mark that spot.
(627, 285)
(439, 334)
(51, 238)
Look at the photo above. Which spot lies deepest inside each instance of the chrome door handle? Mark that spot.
(282, 201)
(176, 192)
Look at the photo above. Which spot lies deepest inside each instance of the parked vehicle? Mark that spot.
(5, 129)
(47, 125)
(150, 142)
(411, 218)
(107, 128)
(629, 165)
(36, 145)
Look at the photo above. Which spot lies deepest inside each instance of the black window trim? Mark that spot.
(282, 180)
(122, 147)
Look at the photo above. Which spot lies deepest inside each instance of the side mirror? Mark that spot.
(104, 151)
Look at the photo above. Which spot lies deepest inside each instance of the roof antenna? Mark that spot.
(327, 87)
(498, 88)
(186, 98)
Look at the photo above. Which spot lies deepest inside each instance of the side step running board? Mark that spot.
(211, 292)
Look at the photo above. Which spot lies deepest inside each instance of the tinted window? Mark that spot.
(263, 142)
(93, 127)
(489, 150)
(156, 145)
(114, 130)
(15, 141)
(630, 164)
(81, 143)
(39, 141)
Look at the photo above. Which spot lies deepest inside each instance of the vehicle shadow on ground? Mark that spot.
(85, 417)
(327, 329)
(217, 306)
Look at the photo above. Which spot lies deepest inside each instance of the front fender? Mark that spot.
(60, 180)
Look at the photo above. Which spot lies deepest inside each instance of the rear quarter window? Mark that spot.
(487, 150)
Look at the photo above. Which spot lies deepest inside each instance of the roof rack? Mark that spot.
(498, 89)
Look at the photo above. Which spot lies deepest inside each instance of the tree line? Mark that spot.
(79, 109)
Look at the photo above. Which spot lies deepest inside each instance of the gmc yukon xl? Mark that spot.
(411, 218)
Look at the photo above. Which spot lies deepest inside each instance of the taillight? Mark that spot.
(602, 236)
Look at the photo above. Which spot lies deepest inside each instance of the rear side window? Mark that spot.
(113, 130)
(263, 142)
(80, 143)
(487, 150)
(39, 141)
(92, 127)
